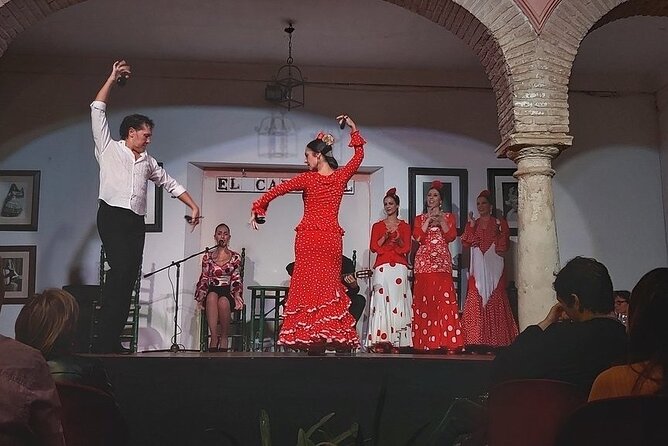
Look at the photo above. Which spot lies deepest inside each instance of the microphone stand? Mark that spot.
(175, 348)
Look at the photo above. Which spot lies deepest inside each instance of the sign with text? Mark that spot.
(260, 185)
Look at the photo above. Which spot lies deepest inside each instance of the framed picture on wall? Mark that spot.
(503, 187)
(455, 191)
(153, 219)
(19, 191)
(18, 272)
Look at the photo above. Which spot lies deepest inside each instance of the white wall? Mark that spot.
(44, 125)
(608, 186)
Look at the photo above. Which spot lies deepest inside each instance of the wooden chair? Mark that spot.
(237, 332)
(625, 421)
(529, 412)
(130, 332)
(90, 417)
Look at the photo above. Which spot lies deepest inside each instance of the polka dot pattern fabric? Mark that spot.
(390, 310)
(436, 322)
(488, 320)
(316, 310)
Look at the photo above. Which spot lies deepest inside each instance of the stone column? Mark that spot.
(537, 249)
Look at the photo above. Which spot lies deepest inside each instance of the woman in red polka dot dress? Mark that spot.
(436, 323)
(390, 319)
(316, 310)
(488, 321)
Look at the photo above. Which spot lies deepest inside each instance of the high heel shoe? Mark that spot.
(316, 350)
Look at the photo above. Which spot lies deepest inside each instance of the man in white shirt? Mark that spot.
(125, 169)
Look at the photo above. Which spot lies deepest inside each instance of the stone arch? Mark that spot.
(565, 29)
(18, 15)
(498, 33)
(633, 8)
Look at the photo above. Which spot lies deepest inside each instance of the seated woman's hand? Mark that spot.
(238, 303)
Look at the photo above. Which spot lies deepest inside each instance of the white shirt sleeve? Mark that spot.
(161, 178)
(100, 126)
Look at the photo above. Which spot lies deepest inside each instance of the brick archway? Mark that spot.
(490, 30)
(498, 33)
(19, 15)
(529, 73)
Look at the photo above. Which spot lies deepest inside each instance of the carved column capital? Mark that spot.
(534, 160)
(515, 142)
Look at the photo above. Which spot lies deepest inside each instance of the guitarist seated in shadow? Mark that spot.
(348, 279)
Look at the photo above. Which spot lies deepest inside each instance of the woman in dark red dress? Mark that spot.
(436, 323)
(488, 320)
(316, 310)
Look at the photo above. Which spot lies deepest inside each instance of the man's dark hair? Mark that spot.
(590, 281)
(134, 122)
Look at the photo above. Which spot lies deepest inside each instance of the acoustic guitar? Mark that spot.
(361, 274)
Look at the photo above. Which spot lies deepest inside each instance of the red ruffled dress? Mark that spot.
(436, 322)
(316, 310)
(488, 320)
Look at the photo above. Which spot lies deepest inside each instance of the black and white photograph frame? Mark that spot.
(153, 218)
(18, 272)
(455, 184)
(504, 189)
(19, 191)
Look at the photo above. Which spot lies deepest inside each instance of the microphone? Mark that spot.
(259, 219)
(221, 242)
(122, 79)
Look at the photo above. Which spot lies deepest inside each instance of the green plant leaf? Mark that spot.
(319, 424)
(352, 432)
(265, 428)
(302, 439)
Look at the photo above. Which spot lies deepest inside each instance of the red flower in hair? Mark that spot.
(325, 137)
(436, 185)
(392, 192)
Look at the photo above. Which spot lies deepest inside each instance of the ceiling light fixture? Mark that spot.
(287, 90)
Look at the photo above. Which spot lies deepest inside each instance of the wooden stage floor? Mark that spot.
(193, 398)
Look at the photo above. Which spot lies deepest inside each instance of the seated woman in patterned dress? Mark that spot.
(219, 288)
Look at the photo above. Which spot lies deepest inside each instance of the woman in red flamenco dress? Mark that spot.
(316, 310)
(488, 320)
(436, 323)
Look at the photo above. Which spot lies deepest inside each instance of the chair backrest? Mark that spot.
(90, 417)
(627, 421)
(530, 411)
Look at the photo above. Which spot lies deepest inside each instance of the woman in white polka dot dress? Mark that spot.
(316, 310)
(436, 323)
(390, 319)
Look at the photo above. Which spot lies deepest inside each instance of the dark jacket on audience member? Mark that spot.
(575, 352)
(80, 370)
